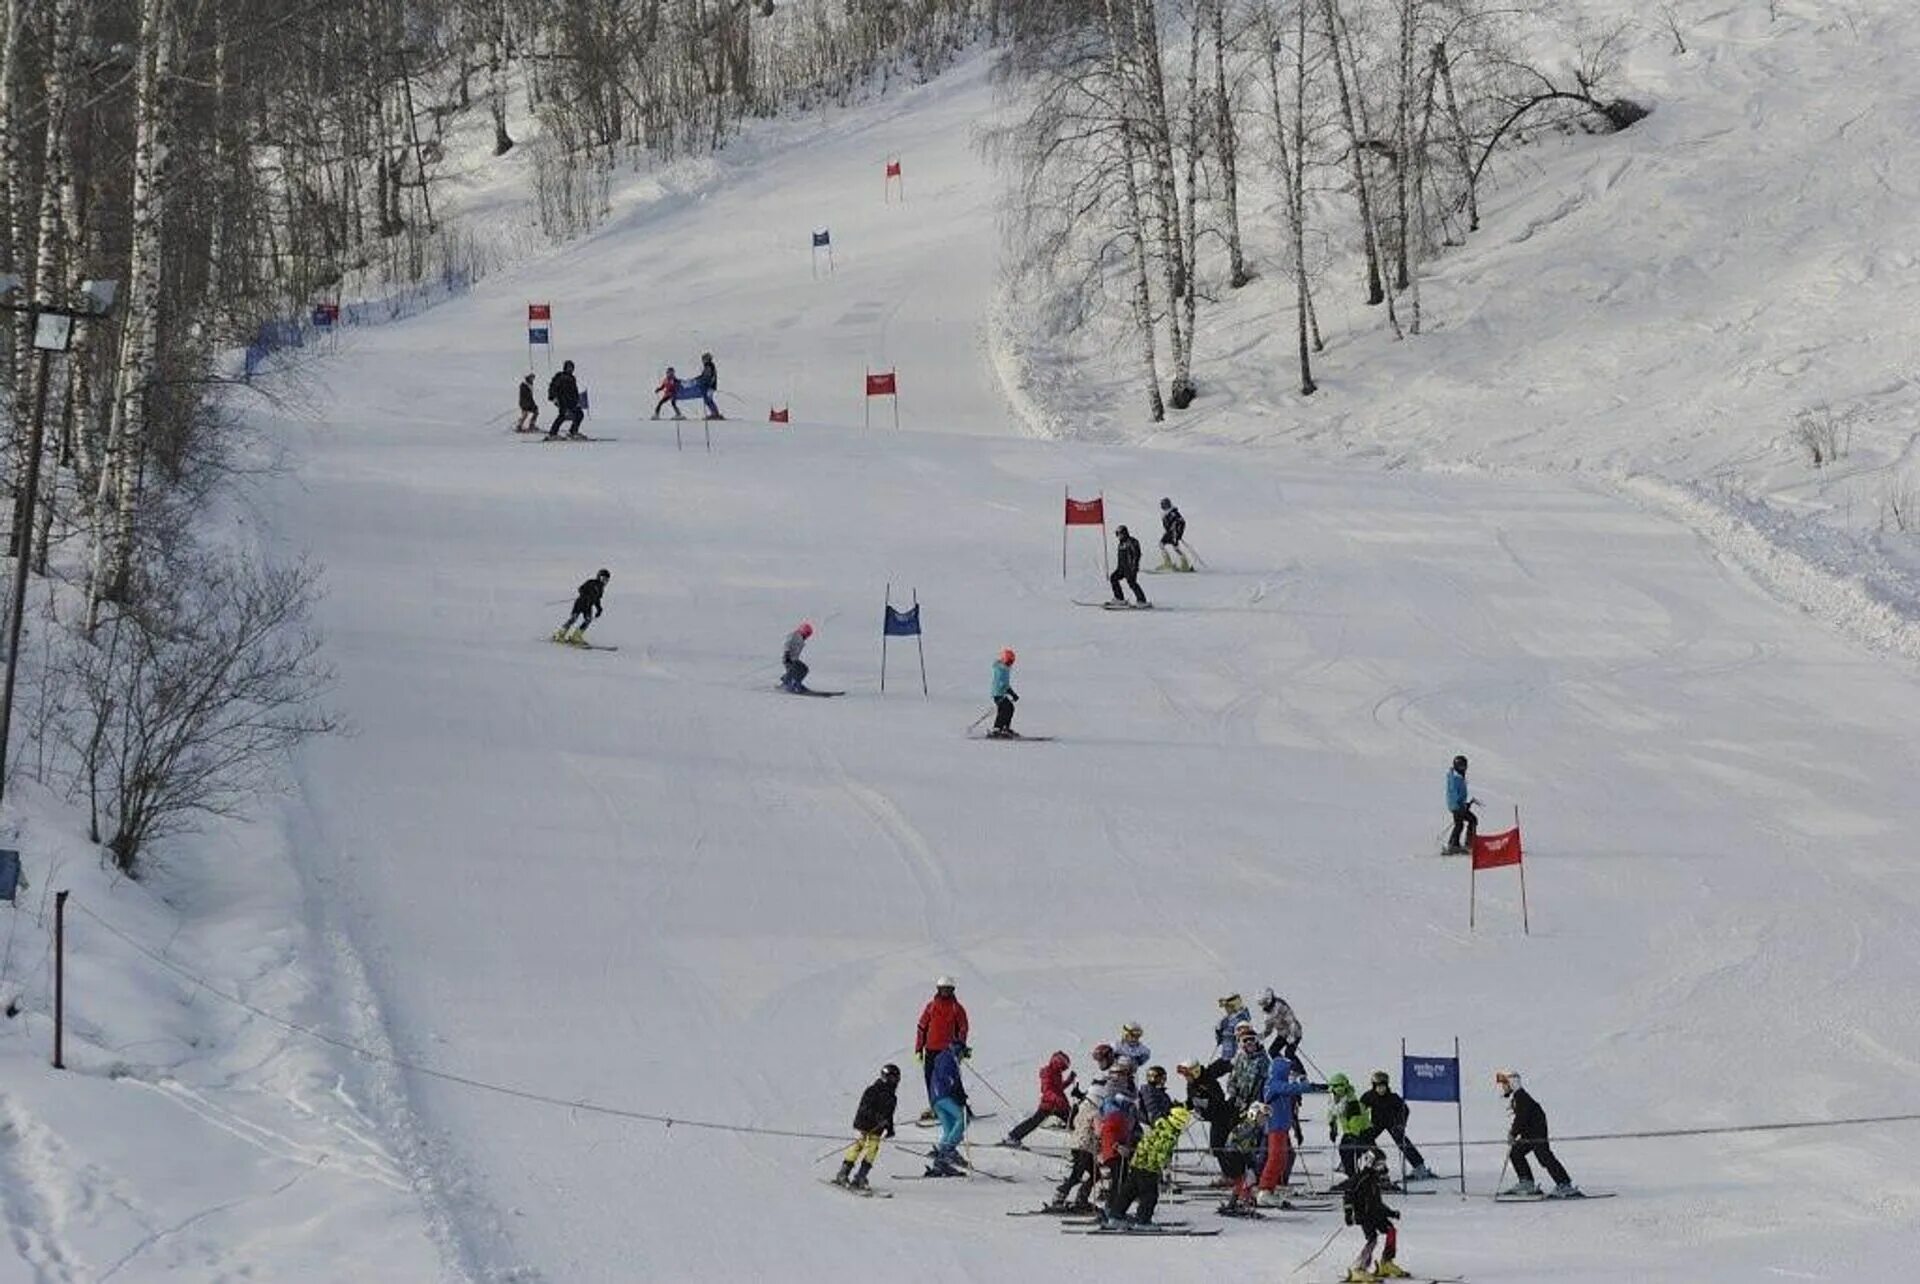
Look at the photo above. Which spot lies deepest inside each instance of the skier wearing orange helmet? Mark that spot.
(1004, 696)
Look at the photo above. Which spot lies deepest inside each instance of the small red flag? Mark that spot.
(1086, 512)
(539, 312)
(893, 169)
(777, 416)
(1492, 851)
(882, 385)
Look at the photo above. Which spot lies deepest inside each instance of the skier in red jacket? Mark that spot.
(943, 1023)
(1056, 1080)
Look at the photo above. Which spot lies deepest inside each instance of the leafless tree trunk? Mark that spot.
(1292, 167)
(1227, 145)
(1136, 229)
(1369, 245)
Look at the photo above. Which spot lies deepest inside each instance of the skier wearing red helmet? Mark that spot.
(1004, 696)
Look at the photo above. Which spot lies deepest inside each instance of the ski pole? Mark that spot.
(977, 721)
(1323, 1248)
(1187, 547)
(990, 1088)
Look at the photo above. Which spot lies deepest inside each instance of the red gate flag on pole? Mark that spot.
(894, 175)
(1496, 851)
(777, 415)
(1084, 512)
(893, 169)
(539, 312)
(883, 384)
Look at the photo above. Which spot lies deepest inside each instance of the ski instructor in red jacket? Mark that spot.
(943, 1023)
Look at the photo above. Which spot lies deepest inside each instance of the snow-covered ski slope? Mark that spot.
(648, 881)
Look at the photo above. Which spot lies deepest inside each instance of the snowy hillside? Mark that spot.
(544, 899)
(1658, 305)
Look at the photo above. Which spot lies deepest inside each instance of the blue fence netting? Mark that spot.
(277, 336)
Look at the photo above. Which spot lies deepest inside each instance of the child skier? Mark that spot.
(1004, 697)
(1226, 1036)
(1207, 1100)
(1389, 1111)
(1528, 1134)
(1086, 1143)
(1130, 1045)
(1350, 1124)
(1056, 1081)
(1282, 1026)
(529, 420)
(950, 1104)
(1156, 1103)
(586, 609)
(873, 1119)
(1282, 1098)
(1461, 804)
(1119, 1119)
(1247, 1076)
(1140, 1188)
(1363, 1204)
(669, 390)
(1173, 529)
(1240, 1156)
(794, 678)
(1127, 569)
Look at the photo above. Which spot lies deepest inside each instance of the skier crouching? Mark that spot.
(586, 609)
(873, 1119)
(1004, 696)
(1363, 1204)
(795, 677)
(1056, 1081)
(1086, 1166)
(1126, 568)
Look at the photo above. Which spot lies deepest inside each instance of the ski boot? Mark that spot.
(1421, 1173)
(846, 1168)
(1185, 565)
(1012, 1142)
(560, 634)
(1565, 1190)
(1524, 1188)
(1166, 563)
(1083, 1207)
(859, 1181)
(577, 638)
(1360, 1275)
(1390, 1270)
(1453, 849)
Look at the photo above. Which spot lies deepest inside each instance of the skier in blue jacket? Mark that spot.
(950, 1104)
(1284, 1089)
(1004, 696)
(1461, 804)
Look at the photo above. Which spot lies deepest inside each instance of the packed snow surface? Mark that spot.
(646, 880)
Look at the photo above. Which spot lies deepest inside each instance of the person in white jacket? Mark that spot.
(795, 677)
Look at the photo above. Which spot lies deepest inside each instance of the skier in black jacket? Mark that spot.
(586, 609)
(529, 420)
(1389, 1111)
(1363, 1204)
(1529, 1137)
(1128, 569)
(1173, 529)
(1208, 1100)
(873, 1119)
(563, 390)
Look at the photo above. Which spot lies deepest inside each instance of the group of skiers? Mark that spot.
(1126, 558)
(569, 399)
(1125, 1125)
(673, 390)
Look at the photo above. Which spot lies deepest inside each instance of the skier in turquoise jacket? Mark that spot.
(1004, 696)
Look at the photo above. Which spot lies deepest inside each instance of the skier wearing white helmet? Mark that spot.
(1528, 1135)
(943, 1022)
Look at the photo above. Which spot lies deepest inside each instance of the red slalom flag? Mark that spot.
(1495, 851)
(893, 169)
(882, 385)
(539, 312)
(1086, 512)
(777, 416)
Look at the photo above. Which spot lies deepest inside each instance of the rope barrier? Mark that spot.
(712, 1125)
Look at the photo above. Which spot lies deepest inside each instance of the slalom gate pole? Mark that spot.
(883, 638)
(677, 443)
(706, 426)
(1526, 925)
(920, 641)
(1460, 1116)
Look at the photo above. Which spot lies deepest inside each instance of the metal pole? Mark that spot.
(59, 979)
(920, 641)
(1526, 927)
(24, 513)
(1460, 1113)
(886, 618)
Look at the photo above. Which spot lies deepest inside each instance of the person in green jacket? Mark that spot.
(1141, 1185)
(1349, 1123)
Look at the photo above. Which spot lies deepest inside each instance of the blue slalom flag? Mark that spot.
(537, 334)
(1430, 1078)
(822, 237)
(9, 875)
(902, 624)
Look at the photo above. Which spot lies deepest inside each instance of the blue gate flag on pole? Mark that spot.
(1430, 1078)
(822, 237)
(903, 624)
(9, 875)
(538, 334)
